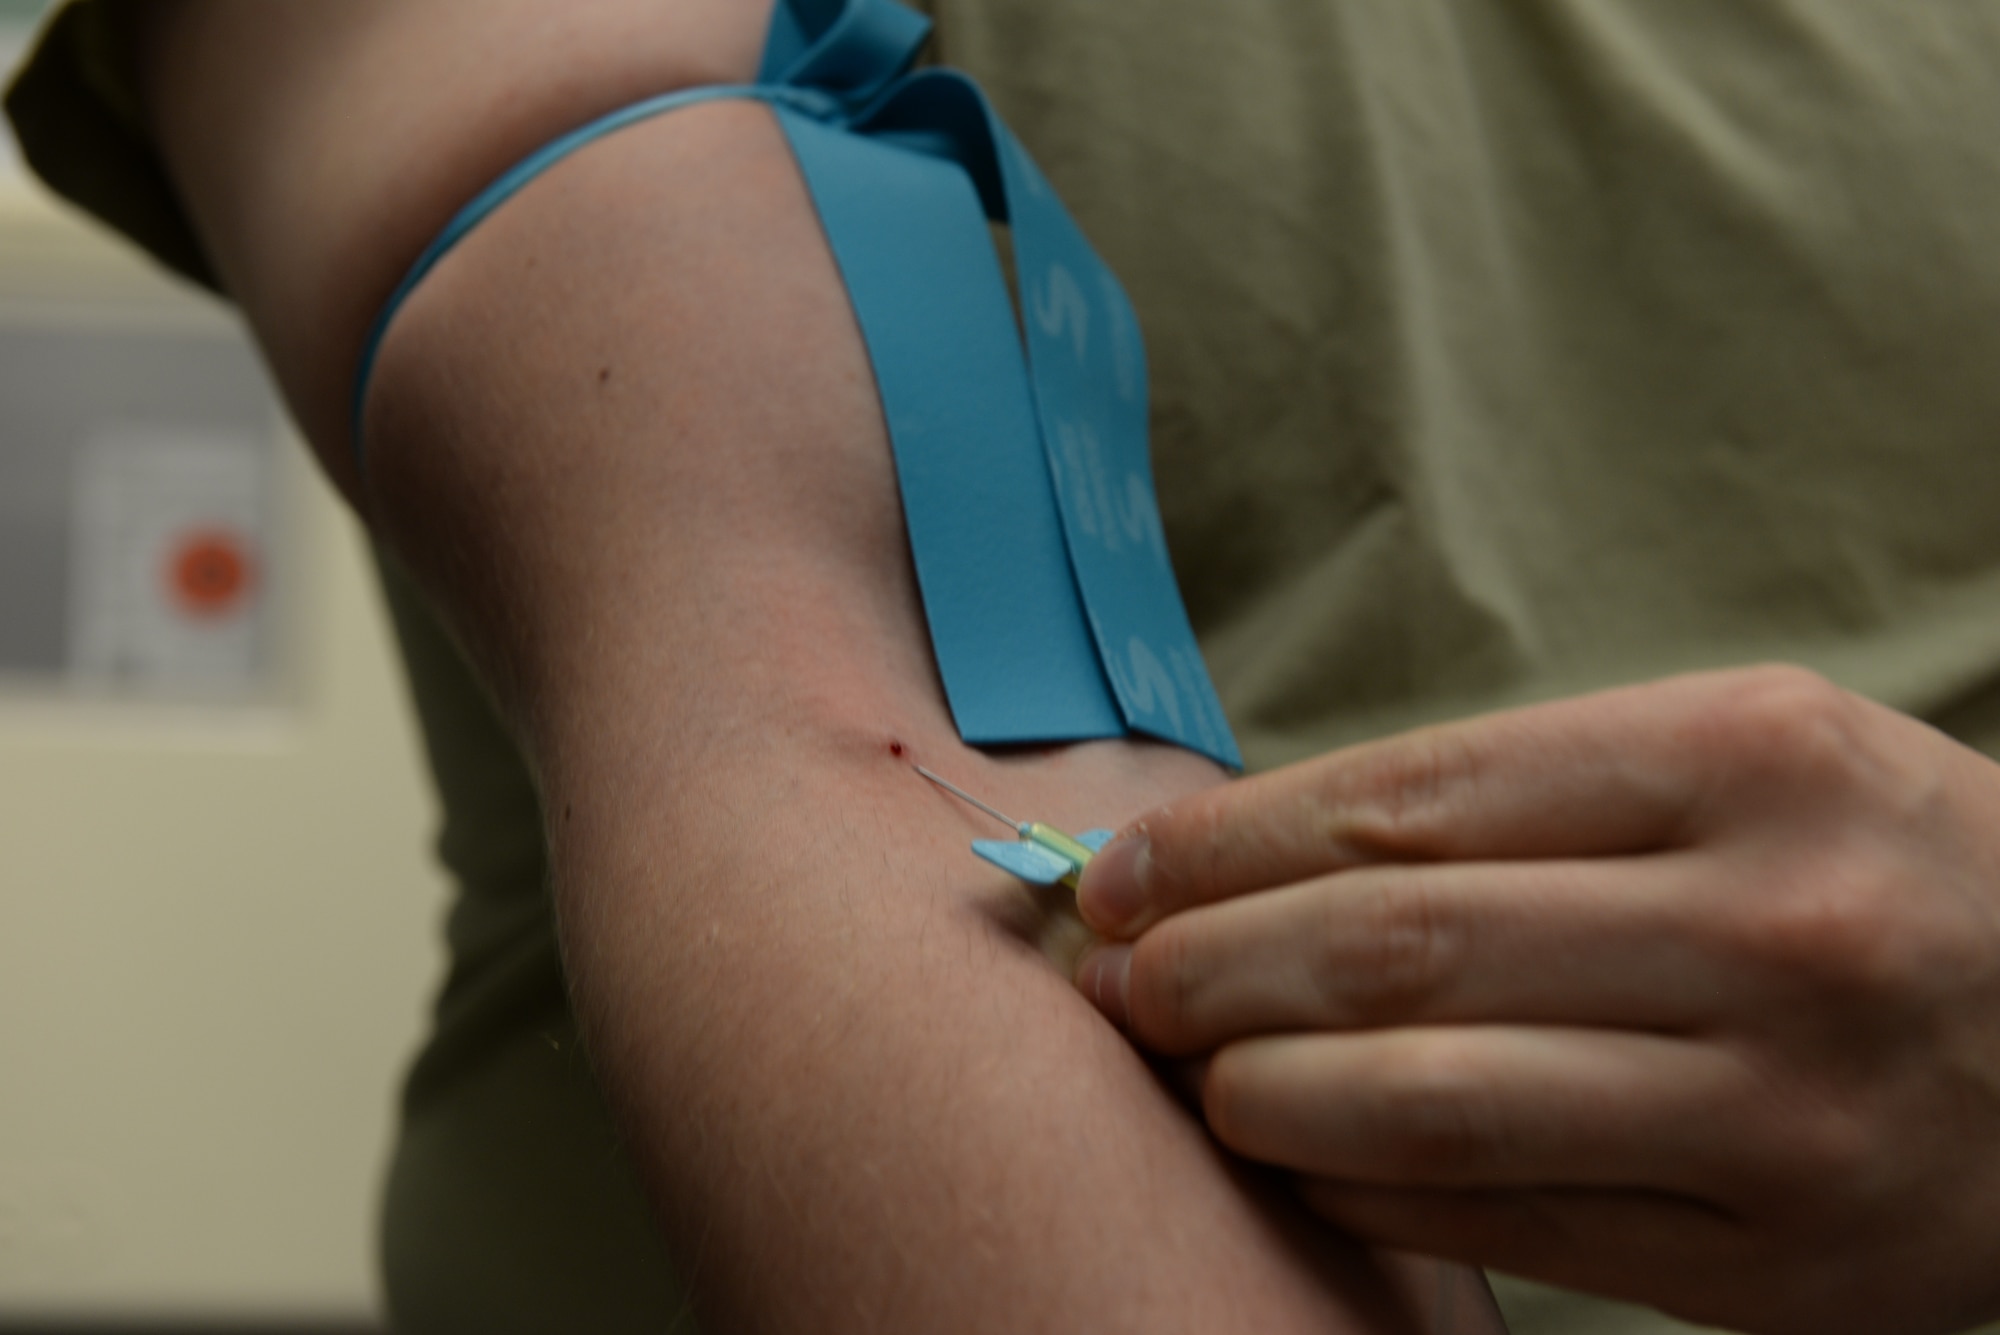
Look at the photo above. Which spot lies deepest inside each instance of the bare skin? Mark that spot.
(626, 439)
(1687, 993)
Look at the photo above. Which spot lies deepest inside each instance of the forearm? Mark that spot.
(855, 1086)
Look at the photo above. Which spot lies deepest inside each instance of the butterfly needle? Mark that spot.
(1075, 852)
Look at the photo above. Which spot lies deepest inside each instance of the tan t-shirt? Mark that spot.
(1500, 350)
(1504, 350)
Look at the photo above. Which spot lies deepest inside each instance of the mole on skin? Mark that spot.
(895, 748)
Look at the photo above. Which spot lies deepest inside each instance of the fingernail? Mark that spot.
(1112, 892)
(1105, 976)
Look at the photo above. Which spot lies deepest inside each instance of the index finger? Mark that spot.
(1600, 775)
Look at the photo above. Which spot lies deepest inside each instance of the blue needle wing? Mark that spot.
(1031, 862)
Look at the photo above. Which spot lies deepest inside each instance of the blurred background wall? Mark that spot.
(217, 907)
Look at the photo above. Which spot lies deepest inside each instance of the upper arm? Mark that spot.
(319, 146)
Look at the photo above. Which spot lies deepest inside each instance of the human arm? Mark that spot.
(626, 438)
(1687, 993)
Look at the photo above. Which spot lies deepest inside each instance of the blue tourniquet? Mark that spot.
(1026, 480)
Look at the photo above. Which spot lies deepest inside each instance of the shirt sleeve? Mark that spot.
(75, 107)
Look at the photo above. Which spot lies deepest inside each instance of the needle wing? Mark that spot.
(1030, 862)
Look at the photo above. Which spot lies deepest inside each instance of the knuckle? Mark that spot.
(1838, 932)
(1834, 1147)
(1406, 792)
(1783, 719)
(1440, 1119)
(1393, 967)
(1819, 1143)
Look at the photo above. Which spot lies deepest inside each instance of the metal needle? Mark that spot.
(957, 791)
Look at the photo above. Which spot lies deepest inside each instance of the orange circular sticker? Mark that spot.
(209, 573)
